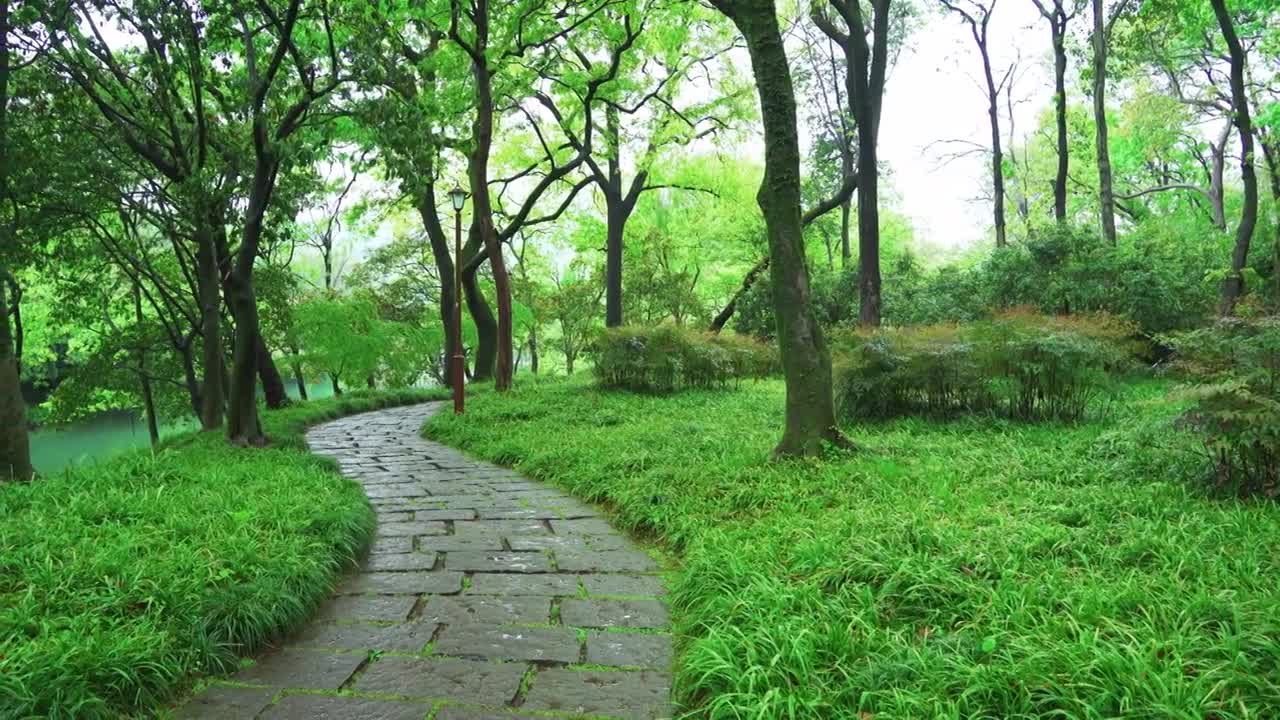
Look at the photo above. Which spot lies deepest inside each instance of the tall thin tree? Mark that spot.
(1059, 16)
(978, 17)
(1234, 286)
(865, 80)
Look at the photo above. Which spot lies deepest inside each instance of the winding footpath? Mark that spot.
(485, 596)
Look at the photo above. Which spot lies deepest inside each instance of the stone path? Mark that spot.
(485, 596)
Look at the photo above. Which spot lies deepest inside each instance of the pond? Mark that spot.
(99, 438)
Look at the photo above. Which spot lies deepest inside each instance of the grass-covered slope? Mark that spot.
(973, 569)
(120, 581)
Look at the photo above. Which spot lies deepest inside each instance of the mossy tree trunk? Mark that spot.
(1106, 191)
(806, 361)
(15, 445)
(209, 285)
(1233, 287)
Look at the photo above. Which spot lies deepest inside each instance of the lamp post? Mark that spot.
(458, 197)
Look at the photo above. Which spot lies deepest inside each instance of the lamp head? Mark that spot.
(458, 197)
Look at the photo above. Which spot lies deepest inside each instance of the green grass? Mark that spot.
(970, 569)
(121, 582)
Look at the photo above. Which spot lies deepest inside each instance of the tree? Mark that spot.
(580, 76)
(658, 74)
(342, 337)
(806, 360)
(865, 78)
(158, 104)
(269, 131)
(1101, 39)
(1233, 287)
(977, 16)
(1059, 15)
(575, 306)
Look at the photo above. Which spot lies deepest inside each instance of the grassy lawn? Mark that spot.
(968, 569)
(120, 582)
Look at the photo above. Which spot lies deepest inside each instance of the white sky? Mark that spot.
(936, 93)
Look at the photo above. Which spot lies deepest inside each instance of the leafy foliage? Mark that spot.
(1021, 364)
(667, 358)
(1236, 367)
(1162, 281)
(346, 338)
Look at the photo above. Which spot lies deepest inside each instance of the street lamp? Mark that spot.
(458, 197)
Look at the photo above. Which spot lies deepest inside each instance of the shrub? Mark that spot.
(1025, 365)
(1050, 367)
(1235, 366)
(667, 358)
(887, 373)
(1156, 279)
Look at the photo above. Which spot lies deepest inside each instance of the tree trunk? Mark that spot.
(300, 380)
(1106, 193)
(269, 374)
(846, 210)
(1059, 24)
(722, 318)
(533, 350)
(243, 424)
(618, 209)
(187, 354)
(148, 397)
(444, 268)
(208, 284)
(1233, 287)
(997, 156)
(486, 325)
(868, 211)
(1217, 177)
(810, 409)
(615, 224)
(333, 381)
(15, 445)
(482, 226)
(864, 86)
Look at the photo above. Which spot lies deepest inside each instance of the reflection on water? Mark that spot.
(100, 437)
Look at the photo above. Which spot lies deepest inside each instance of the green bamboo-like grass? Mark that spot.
(969, 569)
(123, 581)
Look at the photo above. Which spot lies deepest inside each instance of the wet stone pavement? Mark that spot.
(485, 595)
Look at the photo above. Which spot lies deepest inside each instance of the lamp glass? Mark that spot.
(457, 197)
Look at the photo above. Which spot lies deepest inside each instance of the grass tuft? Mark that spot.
(122, 582)
(963, 569)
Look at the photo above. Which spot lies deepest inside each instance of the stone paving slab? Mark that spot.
(319, 707)
(219, 702)
(485, 596)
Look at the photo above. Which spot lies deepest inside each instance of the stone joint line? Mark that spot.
(485, 596)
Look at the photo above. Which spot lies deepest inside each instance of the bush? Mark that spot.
(1235, 364)
(667, 358)
(1157, 281)
(1024, 365)
(886, 373)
